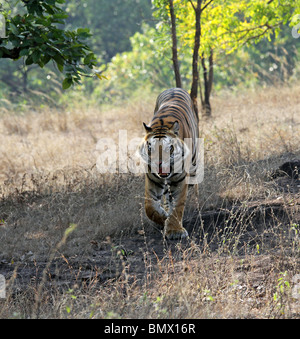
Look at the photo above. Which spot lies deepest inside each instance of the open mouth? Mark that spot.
(161, 171)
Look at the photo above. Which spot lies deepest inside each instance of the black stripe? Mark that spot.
(156, 183)
(154, 195)
(175, 113)
(175, 183)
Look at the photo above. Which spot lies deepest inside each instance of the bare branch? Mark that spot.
(192, 5)
(209, 2)
(268, 27)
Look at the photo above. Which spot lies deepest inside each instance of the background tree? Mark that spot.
(174, 45)
(214, 26)
(138, 58)
(37, 36)
(111, 24)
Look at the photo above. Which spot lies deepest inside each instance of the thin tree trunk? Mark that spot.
(174, 47)
(211, 71)
(194, 88)
(200, 89)
(207, 77)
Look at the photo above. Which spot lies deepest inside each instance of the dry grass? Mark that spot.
(238, 267)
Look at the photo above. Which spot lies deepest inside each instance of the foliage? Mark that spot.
(143, 62)
(141, 67)
(265, 63)
(111, 25)
(228, 25)
(38, 36)
(149, 65)
(111, 22)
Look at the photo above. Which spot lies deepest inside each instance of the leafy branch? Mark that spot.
(38, 37)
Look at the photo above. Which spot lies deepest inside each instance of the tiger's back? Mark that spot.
(176, 103)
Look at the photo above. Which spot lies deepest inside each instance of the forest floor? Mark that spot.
(75, 243)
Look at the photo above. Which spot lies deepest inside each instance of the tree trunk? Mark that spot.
(174, 47)
(208, 80)
(211, 71)
(194, 88)
(25, 80)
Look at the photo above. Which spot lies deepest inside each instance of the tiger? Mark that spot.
(166, 156)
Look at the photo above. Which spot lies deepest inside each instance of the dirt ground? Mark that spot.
(239, 230)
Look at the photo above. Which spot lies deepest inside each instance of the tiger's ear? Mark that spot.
(147, 128)
(175, 127)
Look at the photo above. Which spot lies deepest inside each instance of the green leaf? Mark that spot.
(48, 8)
(46, 59)
(29, 61)
(67, 83)
(35, 56)
(60, 67)
(90, 58)
(59, 62)
(24, 52)
(83, 30)
(60, 16)
(99, 75)
(13, 28)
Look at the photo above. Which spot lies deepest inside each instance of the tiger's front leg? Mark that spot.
(153, 196)
(173, 227)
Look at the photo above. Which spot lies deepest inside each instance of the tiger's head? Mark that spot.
(163, 150)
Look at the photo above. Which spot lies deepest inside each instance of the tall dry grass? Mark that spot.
(49, 181)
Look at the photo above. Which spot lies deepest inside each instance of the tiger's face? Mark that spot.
(163, 151)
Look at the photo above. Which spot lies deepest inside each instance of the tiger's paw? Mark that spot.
(177, 234)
